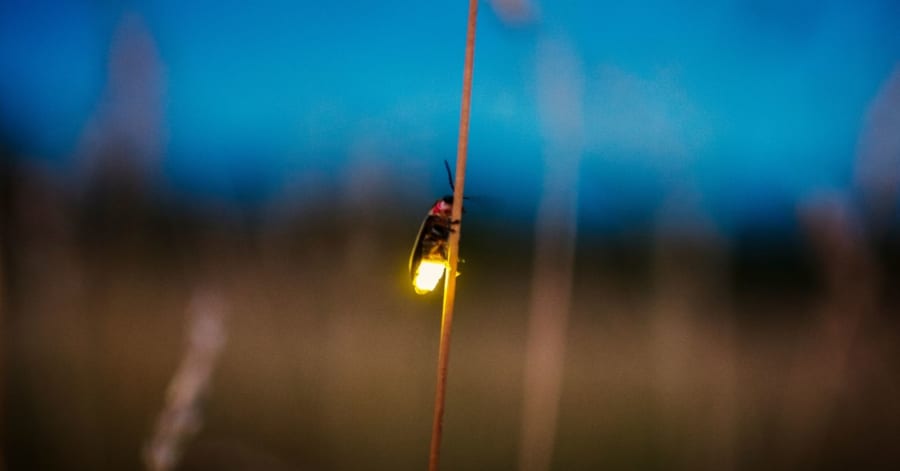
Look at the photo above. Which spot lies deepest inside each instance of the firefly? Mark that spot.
(429, 259)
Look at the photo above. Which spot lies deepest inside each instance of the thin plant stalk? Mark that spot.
(560, 83)
(453, 256)
(181, 416)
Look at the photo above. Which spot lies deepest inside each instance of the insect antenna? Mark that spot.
(449, 174)
(450, 180)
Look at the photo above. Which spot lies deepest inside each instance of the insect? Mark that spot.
(428, 260)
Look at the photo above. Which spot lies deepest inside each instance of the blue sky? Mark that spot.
(753, 104)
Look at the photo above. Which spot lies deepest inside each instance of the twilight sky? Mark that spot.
(749, 106)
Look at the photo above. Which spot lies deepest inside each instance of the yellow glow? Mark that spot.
(428, 273)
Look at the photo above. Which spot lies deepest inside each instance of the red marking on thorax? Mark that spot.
(441, 208)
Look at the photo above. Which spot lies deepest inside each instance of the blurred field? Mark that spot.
(690, 351)
(206, 214)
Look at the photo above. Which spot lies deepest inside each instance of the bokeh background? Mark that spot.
(682, 252)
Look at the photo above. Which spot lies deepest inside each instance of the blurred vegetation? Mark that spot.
(689, 350)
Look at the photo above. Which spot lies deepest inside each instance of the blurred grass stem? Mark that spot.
(181, 416)
(560, 85)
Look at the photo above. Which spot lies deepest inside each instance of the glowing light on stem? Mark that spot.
(428, 273)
